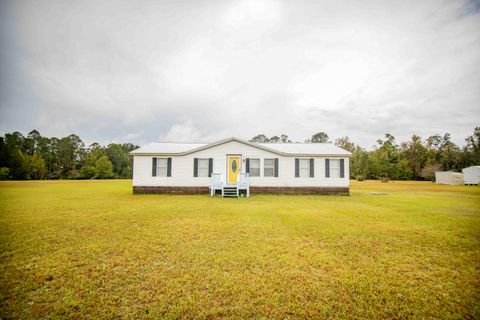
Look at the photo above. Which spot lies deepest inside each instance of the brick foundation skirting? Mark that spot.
(344, 191)
(171, 190)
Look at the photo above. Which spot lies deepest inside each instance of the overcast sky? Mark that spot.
(141, 71)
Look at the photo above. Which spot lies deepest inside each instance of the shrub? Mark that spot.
(428, 172)
(4, 173)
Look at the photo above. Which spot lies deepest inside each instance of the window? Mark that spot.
(304, 166)
(334, 168)
(254, 167)
(268, 168)
(162, 167)
(203, 167)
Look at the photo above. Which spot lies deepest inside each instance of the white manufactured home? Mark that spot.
(471, 175)
(234, 166)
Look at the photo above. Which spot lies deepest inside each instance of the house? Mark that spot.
(471, 175)
(233, 166)
(449, 177)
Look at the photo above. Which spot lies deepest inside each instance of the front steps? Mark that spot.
(230, 191)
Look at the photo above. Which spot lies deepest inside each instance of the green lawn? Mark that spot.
(92, 249)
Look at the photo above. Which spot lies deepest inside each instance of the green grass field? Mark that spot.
(91, 249)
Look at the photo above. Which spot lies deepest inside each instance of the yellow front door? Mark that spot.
(233, 169)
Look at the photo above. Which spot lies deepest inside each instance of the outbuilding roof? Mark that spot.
(286, 149)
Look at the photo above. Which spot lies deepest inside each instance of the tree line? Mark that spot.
(410, 160)
(39, 157)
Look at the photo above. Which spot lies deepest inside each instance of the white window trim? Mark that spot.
(159, 160)
(300, 168)
(259, 168)
(337, 161)
(273, 168)
(207, 160)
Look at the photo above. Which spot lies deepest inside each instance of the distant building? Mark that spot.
(449, 177)
(471, 175)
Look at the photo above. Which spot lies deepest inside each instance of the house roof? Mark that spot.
(167, 147)
(286, 149)
(306, 148)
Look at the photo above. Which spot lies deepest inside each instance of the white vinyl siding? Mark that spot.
(162, 167)
(268, 167)
(304, 166)
(203, 167)
(182, 171)
(254, 167)
(334, 168)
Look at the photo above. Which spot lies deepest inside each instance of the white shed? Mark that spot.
(471, 175)
(449, 177)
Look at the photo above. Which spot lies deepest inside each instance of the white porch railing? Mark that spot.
(229, 190)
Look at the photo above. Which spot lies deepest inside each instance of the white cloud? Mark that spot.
(183, 132)
(193, 70)
(252, 14)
